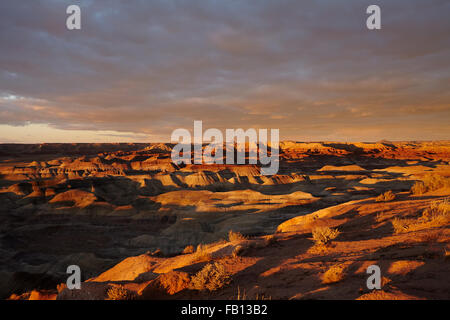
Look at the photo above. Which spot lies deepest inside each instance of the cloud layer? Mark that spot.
(311, 69)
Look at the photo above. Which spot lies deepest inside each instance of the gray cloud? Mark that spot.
(311, 69)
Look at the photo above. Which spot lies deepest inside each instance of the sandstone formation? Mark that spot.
(95, 205)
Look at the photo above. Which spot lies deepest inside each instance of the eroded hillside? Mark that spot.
(96, 204)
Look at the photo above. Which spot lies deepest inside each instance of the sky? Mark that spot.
(137, 70)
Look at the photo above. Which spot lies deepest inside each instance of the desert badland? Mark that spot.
(141, 227)
(193, 150)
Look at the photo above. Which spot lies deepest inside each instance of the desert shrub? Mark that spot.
(402, 225)
(156, 253)
(189, 249)
(242, 295)
(436, 182)
(418, 188)
(436, 215)
(201, 247)
(269, 240)
(429, 183)
(381, 216)
(323, 235)
(385, 281)
(202, 254)
(262, 297)
(212, 277)
(238, 251)
(119, 293)
(335, 274)
(437, 210)
(431, 237)
(387, 196)
(235, 236)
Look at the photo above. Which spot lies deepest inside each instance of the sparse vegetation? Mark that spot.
(385, 281)
(269, 240)
(437, 210)
(436, 215)
(418, 188)
(387, 196)
(429, 183)
(335, 274)
(119, 293)
(238, 251)
(324, 235)
(172, 207)
(235, 236)
(189, 249)
(402, 225)
(202, 254)
(431, 237)
(381, 216)
(212, 277)
(156, 253)
(243, 296)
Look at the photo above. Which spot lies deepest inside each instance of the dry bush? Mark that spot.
(243, 296)
(323, 235)
(235, 236)
(156, 253)
(402, 225)
(385, 281)
(269, 240)
(437, 210)
(381, 216)
(189, 249)
(120, 293)
(387, 196)
(262, 297)
(418, 188)
(335, 274)
(238, 251)
(429, 183)
(431, 237)
(212, 277)
(436, 215)
(202, 254)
